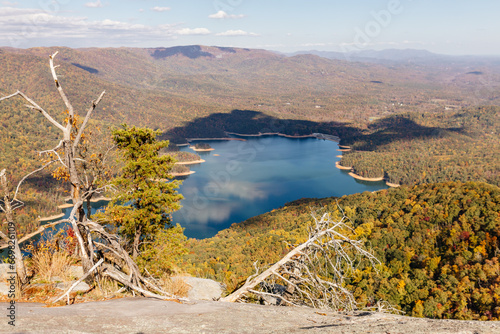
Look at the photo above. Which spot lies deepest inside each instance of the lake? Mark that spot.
(242, 179)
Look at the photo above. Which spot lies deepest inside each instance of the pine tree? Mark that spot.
(146, 197)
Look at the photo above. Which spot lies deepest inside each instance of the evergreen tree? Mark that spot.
(145, 197)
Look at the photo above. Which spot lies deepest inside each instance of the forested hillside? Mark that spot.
(393, 115)
(184, 83)
(438, 244)
(429, 147)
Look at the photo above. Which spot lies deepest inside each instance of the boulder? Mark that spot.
(82, 286)
(202, 289)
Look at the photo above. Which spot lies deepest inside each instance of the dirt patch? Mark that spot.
(142, 315)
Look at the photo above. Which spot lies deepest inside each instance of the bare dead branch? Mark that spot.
(314, 272)
(9, 96)
(119, 277)
(35, 106)
(78, 282)
(71, 112)
(29, 174)
(38, 231)
(85, 121)
(90, 235)
(103, 246)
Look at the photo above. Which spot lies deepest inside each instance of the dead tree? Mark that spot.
(313, 273)
(91, 237)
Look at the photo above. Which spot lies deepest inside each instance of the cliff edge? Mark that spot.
(142, 315)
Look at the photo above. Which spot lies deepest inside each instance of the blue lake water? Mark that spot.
(242, 179)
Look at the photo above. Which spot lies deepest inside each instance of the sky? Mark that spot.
(457, 27)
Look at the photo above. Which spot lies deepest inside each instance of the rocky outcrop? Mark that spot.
(201, 288)
(135, 315)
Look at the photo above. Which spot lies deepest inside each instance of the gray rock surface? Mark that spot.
(82, 286)
(4, 288)
(142, 315)
(202, 289)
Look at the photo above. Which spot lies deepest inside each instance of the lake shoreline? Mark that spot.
(337, 164)
(262, 163)
(190, 162)
(342, 148)
(206, 139)
(182, 174)
(44, 219)
(369, 179)
(69, 205)
(312, 135)
(200, 149)
(93, 200)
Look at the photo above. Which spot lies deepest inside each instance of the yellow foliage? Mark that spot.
(401, 287)
(418, 310)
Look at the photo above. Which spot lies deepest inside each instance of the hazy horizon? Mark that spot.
(448, 27)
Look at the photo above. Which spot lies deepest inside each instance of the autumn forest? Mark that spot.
(430, 131)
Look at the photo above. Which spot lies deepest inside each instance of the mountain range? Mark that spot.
(166, 87)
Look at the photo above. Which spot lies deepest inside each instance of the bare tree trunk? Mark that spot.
(69, 154)
(260, 278)
(314, 272)
(83, 227)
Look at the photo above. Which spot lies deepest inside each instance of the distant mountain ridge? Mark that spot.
(183, 83)
(394, 56)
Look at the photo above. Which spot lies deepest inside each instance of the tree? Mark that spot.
(144, 198)
(162, 254)
(69, 144)
(314, 272)
(74, 167)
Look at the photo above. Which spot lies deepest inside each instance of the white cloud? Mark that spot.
(160, 9)
(223, 15)
(96, 4)
(34, 27)
(236, 33)
(195, 31)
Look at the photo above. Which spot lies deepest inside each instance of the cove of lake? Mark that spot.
(242, 179)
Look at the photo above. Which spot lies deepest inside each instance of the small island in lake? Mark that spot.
(201, 147)
(184, 159)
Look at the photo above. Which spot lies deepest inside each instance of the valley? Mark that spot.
(428, 125)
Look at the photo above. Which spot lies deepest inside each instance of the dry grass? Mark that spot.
(48, 264)
(52, 257)
(175, 286)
